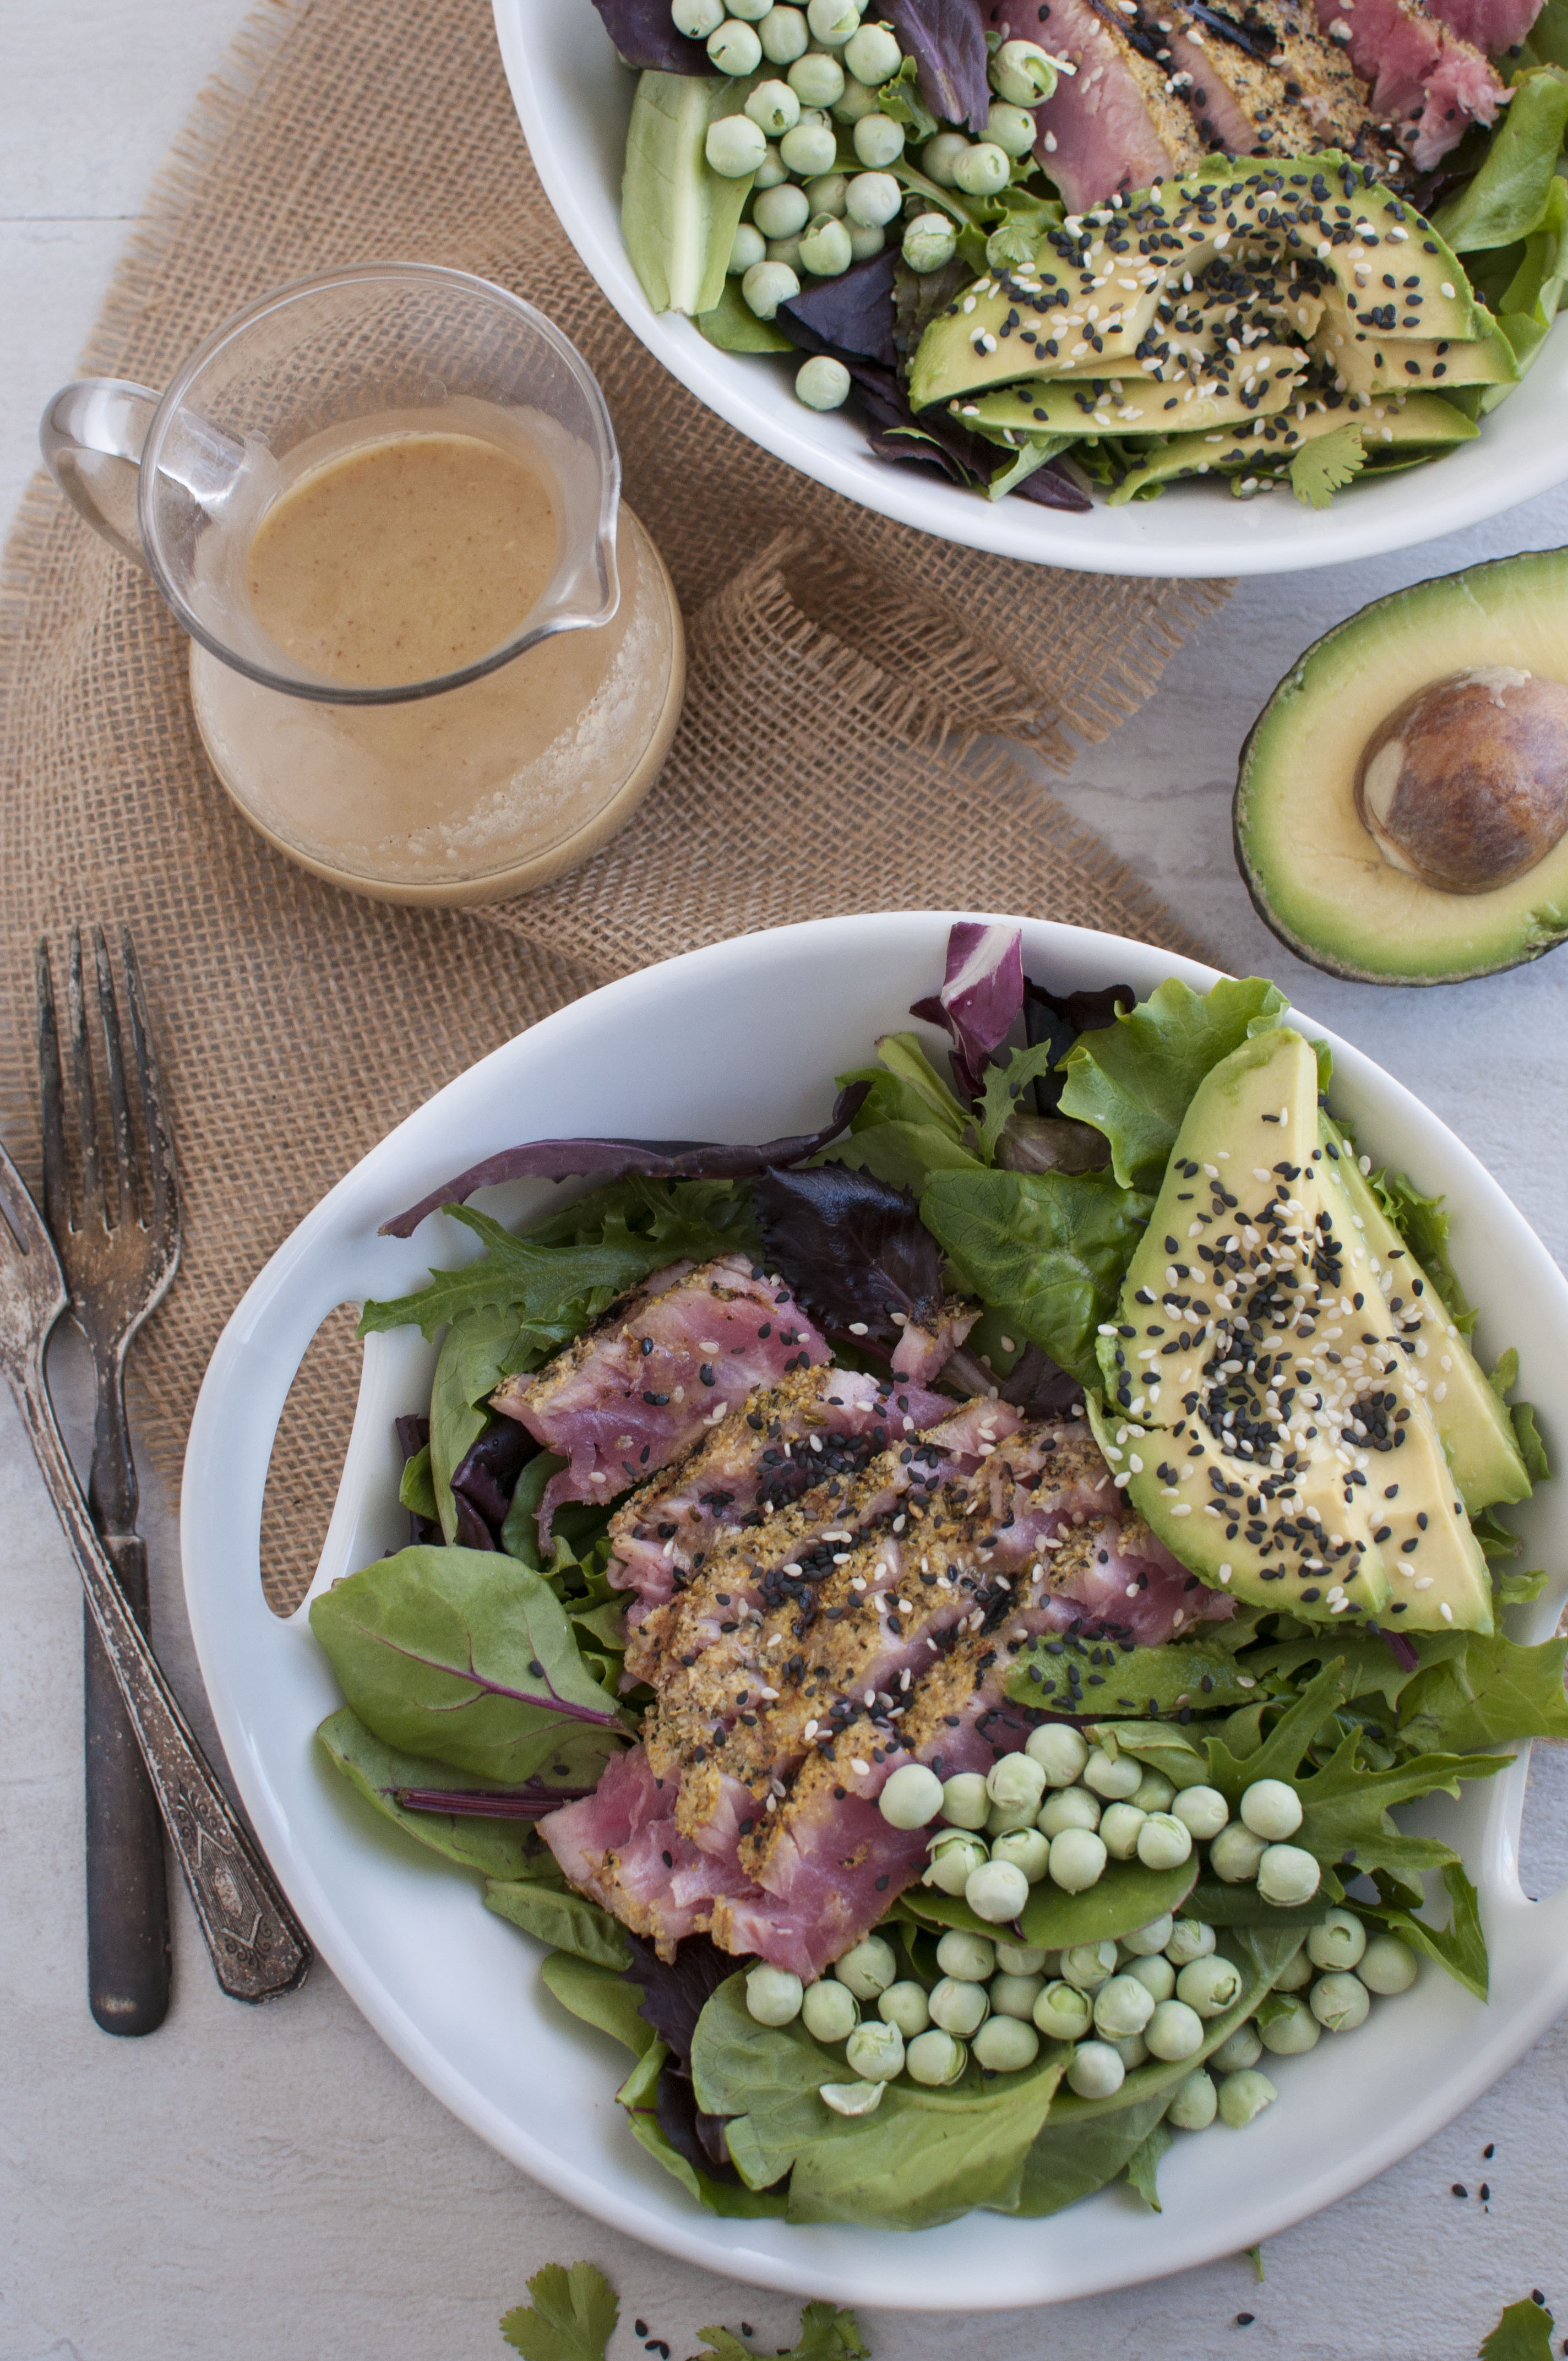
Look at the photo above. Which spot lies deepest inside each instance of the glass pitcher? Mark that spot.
(515, 759)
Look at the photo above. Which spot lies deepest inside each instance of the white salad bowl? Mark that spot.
(740, 1041)
(573, 99)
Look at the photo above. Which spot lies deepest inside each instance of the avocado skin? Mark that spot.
(1406, 934)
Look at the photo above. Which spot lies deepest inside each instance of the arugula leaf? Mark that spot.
(1460, 1945)
(1148, 1680)
(901, 99)
(678, 215)
(571, 2317)
(1508, 197)
(1050, 1248)
(1488, 1691)
(1323, 467)
(1004, 1087)
(565, 1921)
(496, 1847)
(925, 2157)
(1135, 1080)
(1523, 2334)
(826, 2333)
(1422, 1224)
(466, 1656)
(1143, 2163)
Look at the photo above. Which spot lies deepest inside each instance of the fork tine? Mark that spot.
(81, 1077)
(51, 1082)
(164, 1214)
(115, 1068)
(23, 1222)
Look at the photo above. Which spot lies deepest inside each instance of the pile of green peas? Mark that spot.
(1114, 2005)
(807, 215)
(1062, 1810)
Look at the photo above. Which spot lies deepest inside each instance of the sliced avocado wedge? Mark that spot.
(1313, 870)
(1144, 274)
(1420, 420)
(1263, 1413)
(1371, 363)
(1112, 405)
(1476, 1431)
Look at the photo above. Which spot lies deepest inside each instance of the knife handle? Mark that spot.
(127, 1892)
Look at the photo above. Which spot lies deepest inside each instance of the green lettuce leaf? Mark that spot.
(571, 2316)
(1533, 1450)
(1422, 1224)
(602, 1997)
(1519, 1589)
(1135, 1079)
(564, 1920)
(1048, 1248)
(465, 1656)
(1523, 2334)
(826, 2333)
(679, 216)
(1486, 1691)
(1507, 198)
(496, 1847)
(924, 2157)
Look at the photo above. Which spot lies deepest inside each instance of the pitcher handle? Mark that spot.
(91, 435)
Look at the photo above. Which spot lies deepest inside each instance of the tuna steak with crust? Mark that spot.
(1114, 125)
(1493, 27)
(1427, 81)
(637, 1390)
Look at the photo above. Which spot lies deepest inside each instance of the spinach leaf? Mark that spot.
(679, 216)
(1126, 1895)
(1072, 2160)
(1135, 1080)
(481, 1347)
(468, 1657)
(415, 1489)
(1460, 1945)
(734, 327)
(1508, 197)
(639, 2095)
(1143, 2163)
(924, 2157)
(1148, 1680)
(564, 1920)
(1050, 1248)
(497, 1848)
(600, 1997)
(1488, 1691)
(571, 2317)
(826, 2333)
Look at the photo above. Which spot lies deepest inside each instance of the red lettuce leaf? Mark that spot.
(486, 1478)
(645, 34)
(1058, 1019)
(854, 1250)
(850, 317)
(1039, 1385)
(612, 1160)
(979, 999)
(947, 40)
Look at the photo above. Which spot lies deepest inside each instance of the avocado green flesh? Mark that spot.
(1476, 1431)
(1312, 870)
(1265, 1414)
(1094, 293)
(1421, 421)
(1372, 363)
(1131, 405)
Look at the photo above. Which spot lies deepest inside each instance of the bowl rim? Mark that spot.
(254, 1663)
(1379, 521)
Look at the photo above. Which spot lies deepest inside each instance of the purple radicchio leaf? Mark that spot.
(1058, 1019)
(531, 1802)
(646, 37)
(1051, 487)
(850, 317)
(854, 1250)
(486, 1478)
(979, 999)
(676, 1992)
(947, 40)
(1039, 1385)
(1404, 1652)
(699, 2138)
(613, 1160)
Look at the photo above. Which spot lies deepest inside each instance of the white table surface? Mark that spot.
(245, 2183)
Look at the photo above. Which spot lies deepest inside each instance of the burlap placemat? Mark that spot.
(842, 669)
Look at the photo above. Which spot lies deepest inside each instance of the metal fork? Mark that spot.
(122, 1257)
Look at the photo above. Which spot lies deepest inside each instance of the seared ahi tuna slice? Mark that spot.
(1427, 81)
(921, 1351)
(972, 1434)
(1490, 26)
(638, 1391)
(817, 1423)
(1263, 81)
(621, 1847)
(1113, 126)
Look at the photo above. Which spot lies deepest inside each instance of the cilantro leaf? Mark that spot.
(1134, 1078)
(826, 2335)
(1322, 467)
(571, 2317)
(1523, 2334)
(1460, 1947)
(1487, 1692)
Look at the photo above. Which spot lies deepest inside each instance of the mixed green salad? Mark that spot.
(1146, 1846)
(956, 244)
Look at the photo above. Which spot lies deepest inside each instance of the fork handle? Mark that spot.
(127, 1892)
(258, 1946)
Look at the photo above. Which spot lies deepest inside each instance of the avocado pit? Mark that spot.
(1464, 787)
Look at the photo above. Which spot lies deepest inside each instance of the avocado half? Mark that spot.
(1314, 871)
